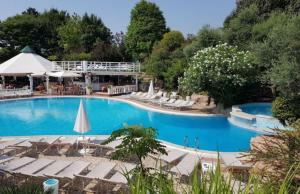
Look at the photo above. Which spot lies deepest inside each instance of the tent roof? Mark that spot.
(27, 49)
(25, 63)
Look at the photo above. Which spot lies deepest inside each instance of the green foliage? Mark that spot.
(34, 29)
(137, 141)
(167, 61)
(239, 29)
(286, 109)
(56, 35)
(212, 182)
(279, 155)
(26, 188)
(223, 71)
(206, 37)
(70, 34)
(147, 25)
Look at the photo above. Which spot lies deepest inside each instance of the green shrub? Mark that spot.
(286, 109)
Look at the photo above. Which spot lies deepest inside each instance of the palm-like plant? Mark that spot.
(137, 141)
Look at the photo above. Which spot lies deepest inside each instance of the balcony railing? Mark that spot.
(96, 66)
(115, 90)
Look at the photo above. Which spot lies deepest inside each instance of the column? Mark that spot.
(84, 66)
(47, 84)
(3, 80)
(30, 83)
(136, 82)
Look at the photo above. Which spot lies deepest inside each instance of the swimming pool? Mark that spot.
(56, 116)
(257, 108)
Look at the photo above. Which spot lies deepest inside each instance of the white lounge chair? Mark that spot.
(10, 143)
(187, 165)
(34, 167)
(171, 101)
(54, 168)
(5, 158)
(174, 104)
(16, 164)
(100, 171)
(75, 168)
(138, 95)
(233, 161)
(183, 104)
(173, 156)
(152, 97)
(121, 170)
(45, 141)
(65, 144)
(160, 100)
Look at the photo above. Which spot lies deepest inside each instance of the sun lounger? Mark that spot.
(5, 158)
(138, 95)
(173, 156)
(232, 161)
(160, 100)
(10, 143)
(34, 167)
(187, 165)
(44, 141)
(118, 178)
(114, 144)
(27, 143)
(65, 144)
(125, 167)
(152, 97)
(143, 95)
(54, 168)
(100, 171)
(16, 163)
(174, 104)
(183, 104)
(75, 168)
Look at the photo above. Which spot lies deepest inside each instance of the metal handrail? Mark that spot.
(96, 66)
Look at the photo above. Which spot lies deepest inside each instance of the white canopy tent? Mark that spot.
(25, 64)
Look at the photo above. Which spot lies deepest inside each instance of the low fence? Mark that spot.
(19, 92)
(116, 90)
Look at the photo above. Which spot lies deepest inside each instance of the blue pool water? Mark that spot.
(56, 116)
(257, 108)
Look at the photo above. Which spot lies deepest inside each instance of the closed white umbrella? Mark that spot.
(82, 124)
(151, 89)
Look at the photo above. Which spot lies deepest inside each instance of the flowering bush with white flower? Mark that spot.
(222, 71)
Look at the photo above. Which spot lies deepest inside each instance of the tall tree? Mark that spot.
(147, 25)
(167, 61)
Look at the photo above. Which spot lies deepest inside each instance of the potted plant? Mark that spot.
(89, 90)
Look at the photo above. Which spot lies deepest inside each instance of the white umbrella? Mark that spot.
(82, 124)
(151, 89)
(62, 74)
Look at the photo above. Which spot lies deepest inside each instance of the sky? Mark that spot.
(187, 16)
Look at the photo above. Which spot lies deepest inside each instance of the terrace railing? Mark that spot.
(115, 90)
(7, 93)
(96, 66)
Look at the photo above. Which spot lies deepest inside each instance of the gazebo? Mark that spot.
(27, 63)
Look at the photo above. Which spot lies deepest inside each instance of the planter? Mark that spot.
(88, 91)
(109, 90)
